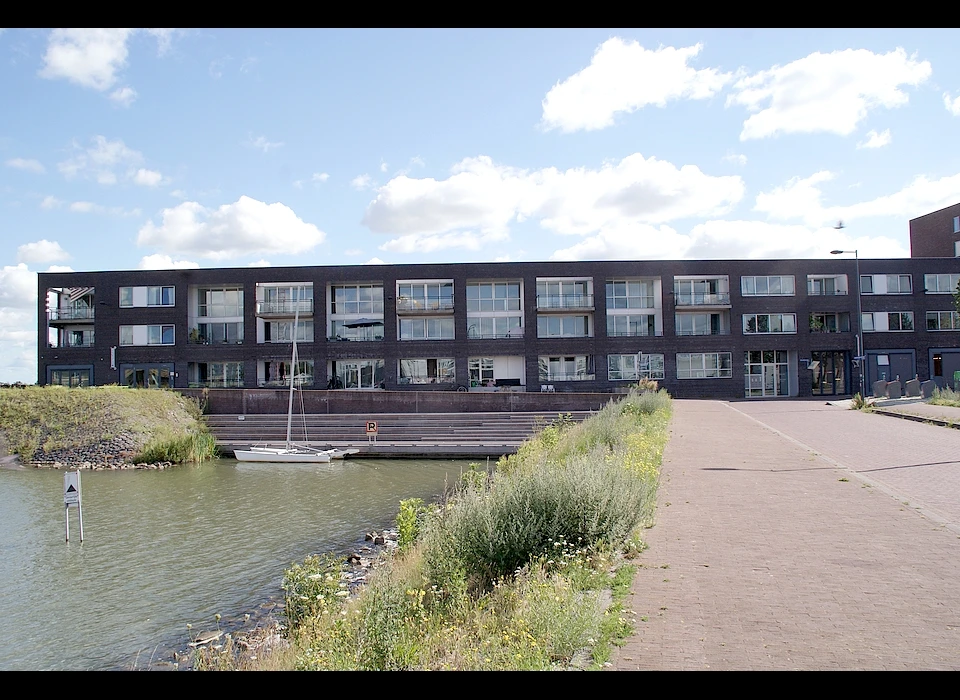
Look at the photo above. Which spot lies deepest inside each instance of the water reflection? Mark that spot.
(164, 549)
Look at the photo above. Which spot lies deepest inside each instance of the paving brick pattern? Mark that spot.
(783, 542)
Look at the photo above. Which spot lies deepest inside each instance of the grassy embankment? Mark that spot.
(157, 425)
(522, 569)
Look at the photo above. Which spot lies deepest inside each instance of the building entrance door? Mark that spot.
(829, 377)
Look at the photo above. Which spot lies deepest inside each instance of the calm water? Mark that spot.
(166, 548)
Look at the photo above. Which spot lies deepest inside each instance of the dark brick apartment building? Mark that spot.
(702, 328)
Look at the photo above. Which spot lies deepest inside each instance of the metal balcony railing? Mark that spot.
(826, 292)
(710, 331)
(564, 301)
(635, 334)
(575, 377)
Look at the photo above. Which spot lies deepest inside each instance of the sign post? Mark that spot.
(71, 497)
(372, 430)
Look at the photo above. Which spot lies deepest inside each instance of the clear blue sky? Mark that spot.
(160, 148)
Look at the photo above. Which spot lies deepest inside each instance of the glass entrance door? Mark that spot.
(765, 373)
(829, 377)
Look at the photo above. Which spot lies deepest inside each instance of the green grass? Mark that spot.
(165, 426)
(945, 397)
(526, 569)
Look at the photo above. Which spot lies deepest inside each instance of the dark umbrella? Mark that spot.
(362, 323)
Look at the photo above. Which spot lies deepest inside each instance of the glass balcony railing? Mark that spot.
(421, 304)
(564, 301)
(575, 377)
(285, 308)
(71, 314)
(696, 299)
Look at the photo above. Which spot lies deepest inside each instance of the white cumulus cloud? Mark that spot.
(802, 198)
(623, 76)
(361, 182)
(825, 92)
(159, 261)
(88, 57)
(430, 243)
(320, 177)
(28, 164)
(246, 227)
(50, 202)
(483, 196)
(42, 251)
(147, 178)
(124, 96)
(261, 143)
(875, 140)
(103, 161)
(952, 105)
(93, 208)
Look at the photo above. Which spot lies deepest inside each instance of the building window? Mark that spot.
(220, 302)
(886, 284)
(634, 367)
(943, 321)
(480, 370)
(126, 335)
(767, 285)
(365, 299)
(215, 374)
(276, 373)
(705, 291)
(287, 300)
(565, 369)
(282, 331)
(879, 321)
(425, 296)
(700, 324)
(126, 296)
(941, 284)
(70, 377)
(630, 294)
(212, 333)
(160, 335)
(494, 327)
(160, 296)
(563, 326)
(826, 285)
(631, 325)
(357, 374)
(493, 296)
(829, 322)
(765, 373)
(427, 329)
(564, 294)
(769, 323)
(428, 371)
(956, 224)
(704, 365)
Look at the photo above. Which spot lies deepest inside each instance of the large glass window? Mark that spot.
(220, 302)
(690, 292)
(427, 329)
(216, 374)
(699, 324)
(943, 321)
(160, 335)
(704, 365)
(564, 294)
(493, 296)
(631, 294)
(287, 300)
(70, 377)
(494, 327)
(941, 284)
(364, 299)
(126, 335)
(631, 324)
(276, 373)
(767, 285)
(565, 368)
(424, 296)
(160, 296)
(126, 296)
(563, 326)
(634, 367)
(440, 370)
(357, 374)
(480, 370)
(769, 323)
(282, 331)
(900, 320)
(207, 333)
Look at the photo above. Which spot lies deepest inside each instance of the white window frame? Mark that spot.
(750, 282)
(418, 370)
(704, 365)
(628, 369)
(442, 328)
(953, 323)
(934, 283)
(157, 294)
(570, 325)
(157, 332)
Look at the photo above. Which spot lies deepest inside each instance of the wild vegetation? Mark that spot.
(945, 397)
(152, 425)
(524, 568)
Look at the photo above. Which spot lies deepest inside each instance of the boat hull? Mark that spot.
(266, 454)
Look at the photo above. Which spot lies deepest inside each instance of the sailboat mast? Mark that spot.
(293, 363)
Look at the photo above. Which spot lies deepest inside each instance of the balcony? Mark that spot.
(819, 292)
(70, 315)
(303, 307)
(576, 377)
(564, 302)
(425, 305)
(635, 334)
(698, 299)
(709, 331)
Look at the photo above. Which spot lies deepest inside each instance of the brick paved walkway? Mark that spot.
(796, 535)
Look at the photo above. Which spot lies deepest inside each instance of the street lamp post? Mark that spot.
(861, 357)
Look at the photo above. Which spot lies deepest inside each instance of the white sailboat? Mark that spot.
(290, 452)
